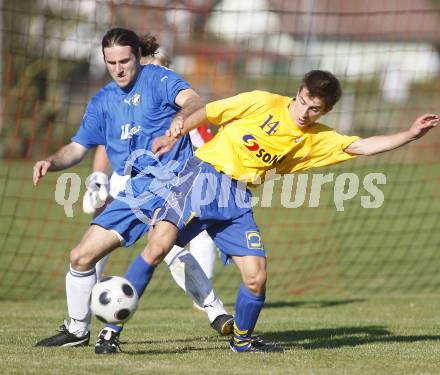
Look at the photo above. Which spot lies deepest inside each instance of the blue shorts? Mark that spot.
(204, 199)
(130, 213)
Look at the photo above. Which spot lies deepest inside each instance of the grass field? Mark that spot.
(360, 335)
(349, 292)
(390, 249)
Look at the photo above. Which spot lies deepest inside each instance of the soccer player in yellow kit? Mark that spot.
(259, 132)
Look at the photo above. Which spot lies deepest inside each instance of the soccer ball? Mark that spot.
(114, 300)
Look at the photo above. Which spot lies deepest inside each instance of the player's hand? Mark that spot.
(40, 169)
(176, 128)
(423, 124)
(162, 145)
(97, 192)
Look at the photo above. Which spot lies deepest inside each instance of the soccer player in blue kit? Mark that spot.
(126, 115)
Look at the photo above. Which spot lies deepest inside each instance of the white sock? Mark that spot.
(78, 289)
(78, 327)
(100, 265)
(190, 277)
(214, 308)
(173, 254)
(177, 268)
(203, 249)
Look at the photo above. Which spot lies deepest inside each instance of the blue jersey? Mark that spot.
(124, 120)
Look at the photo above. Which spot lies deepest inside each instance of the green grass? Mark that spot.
(364, 335)
(322, 250)
(348, 292)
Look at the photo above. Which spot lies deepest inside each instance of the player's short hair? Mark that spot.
(324, 85)
(145, 45)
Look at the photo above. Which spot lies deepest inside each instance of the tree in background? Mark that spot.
(45, 47)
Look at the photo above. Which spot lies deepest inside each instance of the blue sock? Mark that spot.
(139, 274)
(247, 310)
(114, 327)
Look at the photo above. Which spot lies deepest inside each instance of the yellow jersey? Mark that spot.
(258, 135)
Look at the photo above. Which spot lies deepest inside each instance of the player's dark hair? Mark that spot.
(149, 45)
(324, 85)
(140, 46)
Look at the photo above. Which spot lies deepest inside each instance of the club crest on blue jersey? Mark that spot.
(253, 239)
(134, 100)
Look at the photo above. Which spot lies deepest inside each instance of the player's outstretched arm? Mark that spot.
(190, 103)
(64, 158)
(178, 128)
(382, 143)
(192, 115)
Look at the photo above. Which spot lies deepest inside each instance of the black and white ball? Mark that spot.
(114, 300)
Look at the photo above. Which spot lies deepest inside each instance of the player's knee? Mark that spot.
(81, 261)
(155, 252)
(161, 241)
(256, 282)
